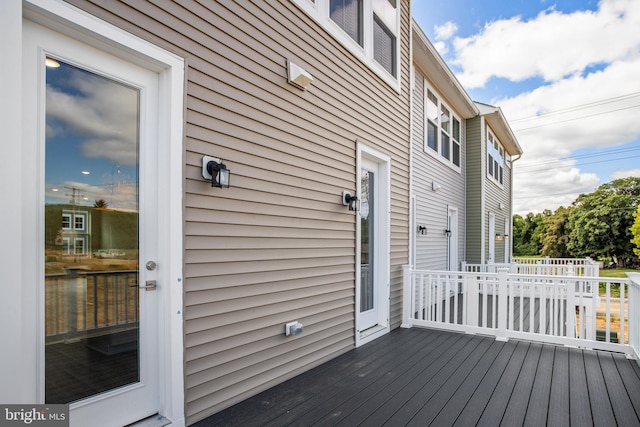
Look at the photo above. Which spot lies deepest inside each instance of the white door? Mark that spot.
(368, 300)
(452, 220)
(492, 238)
(93, 120)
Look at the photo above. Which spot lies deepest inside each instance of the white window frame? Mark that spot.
(68, 218)
(496, 176)
(318, 10)
(82, 219)
(438, 153)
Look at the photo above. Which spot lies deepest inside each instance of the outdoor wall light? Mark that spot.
(351, 201)
(498, 236)
(216, 171)
(422, 229)
(447, 232)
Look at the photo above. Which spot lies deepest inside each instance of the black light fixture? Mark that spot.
(447, 232)
(422, 229)
(352, 201)
(216, 171)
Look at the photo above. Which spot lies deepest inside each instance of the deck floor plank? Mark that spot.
(579, 404)
(497, 404)
(476, 405)
(427, 380)
(427, 377)
(456, 404)
(559, 398)
(352, 393)
(519, 401)
(366, 405)
(618, 396)
(601, 410)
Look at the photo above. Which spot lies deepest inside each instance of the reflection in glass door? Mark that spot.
(367, 246)
(91, 233)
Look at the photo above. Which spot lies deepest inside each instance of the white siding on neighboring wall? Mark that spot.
(277, 246)
(432, 207)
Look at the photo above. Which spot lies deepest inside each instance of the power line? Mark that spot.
(579, 164)
(581, 156)
(576, 118)
(577, 107)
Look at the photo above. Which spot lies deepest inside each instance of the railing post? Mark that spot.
(571, 309)
(503, 290)
(634, 318)
(471, 290)
(407, 297)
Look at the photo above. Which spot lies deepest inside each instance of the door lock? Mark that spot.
(149, 285)
(151, 265)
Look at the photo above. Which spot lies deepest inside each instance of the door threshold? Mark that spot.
(372, 331)
(152, 421)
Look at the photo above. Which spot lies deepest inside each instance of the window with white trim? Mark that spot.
(66, 221)
(495, 158)
(368, 28)
(442, 135)
(79, 222)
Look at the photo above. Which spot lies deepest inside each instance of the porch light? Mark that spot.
(498, 236)
(216, 171)
(447, 232)
(351, 201)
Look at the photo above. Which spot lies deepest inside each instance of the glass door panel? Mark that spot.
(91, 233)
(367, 241)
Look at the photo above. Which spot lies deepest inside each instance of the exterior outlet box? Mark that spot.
(293, 328)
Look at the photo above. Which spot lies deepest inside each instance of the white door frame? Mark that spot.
(21, 366)
(491, 258)
(382, 268)
(452, 224)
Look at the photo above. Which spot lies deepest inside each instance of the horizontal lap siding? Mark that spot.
(278, 245)
(476, 159)
(432, 207)
(496, 196)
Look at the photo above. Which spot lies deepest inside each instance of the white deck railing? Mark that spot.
(541, 266)
(587, 312)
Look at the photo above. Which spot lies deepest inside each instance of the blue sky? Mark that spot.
(91, 139)
(565, 73)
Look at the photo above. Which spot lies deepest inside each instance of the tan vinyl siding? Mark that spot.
(476, 160)
(277, 246)
(432, 207)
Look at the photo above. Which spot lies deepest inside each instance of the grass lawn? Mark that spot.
(615, 273)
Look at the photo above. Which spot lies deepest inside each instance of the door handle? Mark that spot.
(149, 285)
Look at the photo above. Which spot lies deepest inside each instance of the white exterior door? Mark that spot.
(452, 220)
(492, 238)
(93, 119)
(372, 292)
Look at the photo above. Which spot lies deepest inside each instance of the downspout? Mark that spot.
(483, 195)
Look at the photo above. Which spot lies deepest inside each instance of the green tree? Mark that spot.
(555, 237)
(635, 231)
(528, 232)
(601, 221)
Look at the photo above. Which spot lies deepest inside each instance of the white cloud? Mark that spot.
(441, 47)
(590, 62)
(445, 31)
(553, 45)
(106, 113)
(626, 173)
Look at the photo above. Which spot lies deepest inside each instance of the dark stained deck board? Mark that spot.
(427, 377)
(539, 399)
(394, 378)
(330, 408)
(497, 404)
(448, 413)
(618, 396)
(579, 404)
(426, 382)
(600, 408)
(478, 402)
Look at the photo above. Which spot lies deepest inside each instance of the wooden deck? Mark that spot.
(427, 377)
